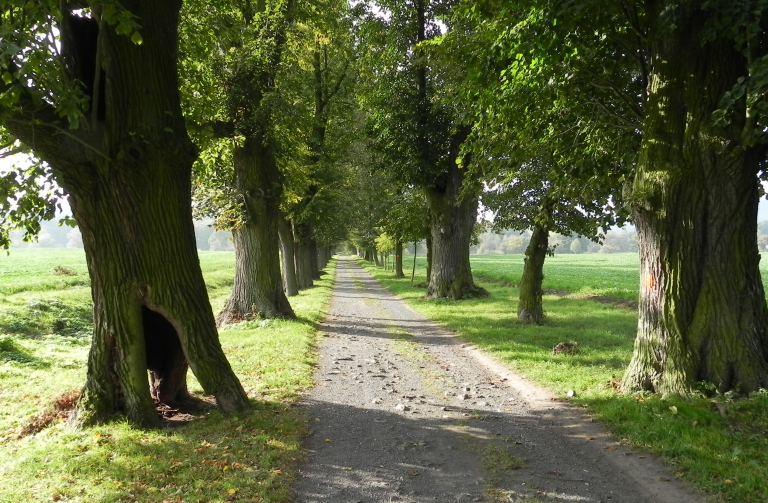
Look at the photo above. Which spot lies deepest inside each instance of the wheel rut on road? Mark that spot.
(403, 411)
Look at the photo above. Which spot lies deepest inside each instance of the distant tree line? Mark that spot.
(53, 235)
(511, 242)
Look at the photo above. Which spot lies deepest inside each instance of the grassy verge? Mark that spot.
(215, 458)
(719, 446)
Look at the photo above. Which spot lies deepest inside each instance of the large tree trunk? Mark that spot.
(529, 307)
(399, 260)
(302, 235)
(703, 314)
(128, 178)
(452, 220)
(290, 284)
(258, 288)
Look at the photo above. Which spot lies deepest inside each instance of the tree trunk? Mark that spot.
(376, 260)
(529, 307)
(302, 235)
(428, 242)
(703, 314)
(452, 220)
(399, 260)
(413, 271)
(290, 284)
(128, 177)
(258, 288)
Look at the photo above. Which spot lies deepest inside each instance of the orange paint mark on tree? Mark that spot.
(650, 282)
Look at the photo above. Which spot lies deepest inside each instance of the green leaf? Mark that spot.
(7, 77)
(136, 38)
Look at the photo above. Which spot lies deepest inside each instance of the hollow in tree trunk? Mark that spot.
(529, 307)
(128, 177)
(258, 288)
(702, 310)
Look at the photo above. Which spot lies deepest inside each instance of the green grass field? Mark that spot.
(45, 325)
(723, 456)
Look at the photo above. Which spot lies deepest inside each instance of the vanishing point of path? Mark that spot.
(404, 412)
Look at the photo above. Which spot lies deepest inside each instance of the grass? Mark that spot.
(719, 446)
(215, 458)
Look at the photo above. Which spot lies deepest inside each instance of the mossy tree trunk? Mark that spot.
(529, 307)
(290, 284)
(128, 176)
(258, 287)
(703, 314)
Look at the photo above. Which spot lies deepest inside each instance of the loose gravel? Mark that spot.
(405, 412)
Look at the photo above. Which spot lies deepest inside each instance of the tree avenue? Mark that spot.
(104, 113)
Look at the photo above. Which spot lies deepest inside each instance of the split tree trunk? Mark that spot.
(290, 284)
(258, 288)
(452, 220)
(129, 183)
(529, 307)
(703, 314)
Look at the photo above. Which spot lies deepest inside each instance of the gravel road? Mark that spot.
(405, 412)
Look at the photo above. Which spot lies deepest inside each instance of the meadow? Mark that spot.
(45, 324)
(717, 444)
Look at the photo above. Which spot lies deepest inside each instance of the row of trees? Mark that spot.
(92, 91)
(572, 117)
(296, 125)
(510, 242)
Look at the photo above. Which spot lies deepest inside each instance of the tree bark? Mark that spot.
(302, 235)
(128, 176)
(529, 307)
(452, 219)
(258, 287)
(702, 310)
(399, 260)
(413, 271)
(290, 284)
(428, 242)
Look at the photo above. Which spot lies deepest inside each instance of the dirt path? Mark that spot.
(405, 412)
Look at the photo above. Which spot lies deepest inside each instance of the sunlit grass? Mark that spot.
(215, 458)
(724, 456)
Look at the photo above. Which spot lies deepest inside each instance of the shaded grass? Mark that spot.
(723, 456)
(215, 458)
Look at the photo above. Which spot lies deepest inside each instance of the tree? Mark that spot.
(419, 136)
(103, 112)
(248, 39)
(703, 314)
